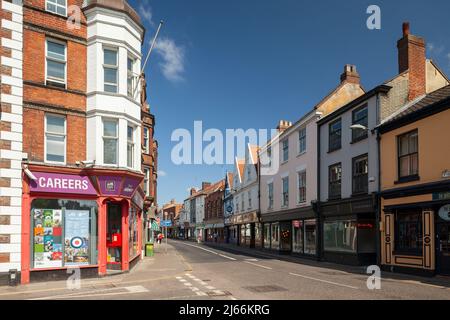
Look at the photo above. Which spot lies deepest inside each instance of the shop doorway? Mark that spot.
(114, 237)
(443, 247)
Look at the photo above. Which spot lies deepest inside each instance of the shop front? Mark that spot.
(215, 231)
(291, 232)
(245, 226)
(85, 219)
(415, 229)
(349, 231)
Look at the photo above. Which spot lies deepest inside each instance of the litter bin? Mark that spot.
(149, 249)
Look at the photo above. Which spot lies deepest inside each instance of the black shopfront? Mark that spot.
(348, 231)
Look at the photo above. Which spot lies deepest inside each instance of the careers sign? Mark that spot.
(62, 183)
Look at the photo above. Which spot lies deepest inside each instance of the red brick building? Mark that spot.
(214, 217)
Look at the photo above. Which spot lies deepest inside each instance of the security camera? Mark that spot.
(30, 174)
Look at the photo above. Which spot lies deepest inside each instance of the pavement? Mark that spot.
(190, 271)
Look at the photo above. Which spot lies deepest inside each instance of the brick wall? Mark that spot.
(41, 98)
(11, 85)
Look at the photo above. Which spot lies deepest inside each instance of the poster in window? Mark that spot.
(76, 238)
(47, 248)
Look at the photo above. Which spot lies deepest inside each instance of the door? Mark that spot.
(443, 248)
(114, 237)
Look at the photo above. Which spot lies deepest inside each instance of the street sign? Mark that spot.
(166, 223)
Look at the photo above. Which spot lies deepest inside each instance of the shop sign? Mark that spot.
(441, 195)
(444, 212)
(129, 186)
(62, 183)
(138, 199)
(109, 185)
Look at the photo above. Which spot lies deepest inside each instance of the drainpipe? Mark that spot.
(317, 205)
(378, 198)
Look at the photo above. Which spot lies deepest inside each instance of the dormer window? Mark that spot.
(57, 6)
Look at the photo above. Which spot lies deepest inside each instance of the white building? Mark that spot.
(246, 229)
(115, 36)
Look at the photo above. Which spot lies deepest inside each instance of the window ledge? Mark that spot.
(359, 139)
(301, 154)
(407, 179)
(333, 150)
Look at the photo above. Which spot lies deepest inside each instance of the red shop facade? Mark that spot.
(88, 219)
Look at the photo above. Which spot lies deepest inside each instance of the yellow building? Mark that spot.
(415, 186)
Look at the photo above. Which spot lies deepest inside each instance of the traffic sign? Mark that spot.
(166, 223)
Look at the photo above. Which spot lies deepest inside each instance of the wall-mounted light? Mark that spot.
(29, 173)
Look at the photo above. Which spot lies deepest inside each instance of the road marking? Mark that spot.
(210, 251)
(188, 284)
(325, 281)
(198, 280)
(233, 298)
(136, 289)
(254, 260)
(190, 275)
(210, 287)
(203, 283)
(182, 280)
(258, 265)
(230, 258)
(179, 278)
(195, 289)
(200, 293)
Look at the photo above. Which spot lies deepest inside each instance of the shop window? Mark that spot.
(297, 236)
(56, 63)
(408, 155)
(110, 142)
(302, 141)
(301, 187)
(258, 234)
(133, 233)
(64, 233)
(267, 235)
(275, 233)
(285, 145)
(110, 69)
(57, 6)
(310, 236)
(55, 138)
(334, 135)
(360, 175)
(334, 183)
(408, 232)
(285, 194)
(130, 147)
(340, 236)
(360, 116)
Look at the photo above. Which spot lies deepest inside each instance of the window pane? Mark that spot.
(340, 236)
(109, 128)
(130, 133)
(110, 151)
(110, 57)
(56, 70)
(414, 164)
(403, 145)
(130, 152)
(56, 50)
(51, 7)
(110, 88)
(310, 236)
(111, 76)
(404, 166)
(61, 2)
(130, 64)
(61, 11)
(55, 124)
(413, 142)
(55, 148)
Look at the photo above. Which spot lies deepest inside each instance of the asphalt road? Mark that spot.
(191, 271)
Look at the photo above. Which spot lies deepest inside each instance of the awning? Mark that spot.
(155, 226)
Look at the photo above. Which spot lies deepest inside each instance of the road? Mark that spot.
(191, 271)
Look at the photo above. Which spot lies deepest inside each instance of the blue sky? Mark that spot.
(249, 63)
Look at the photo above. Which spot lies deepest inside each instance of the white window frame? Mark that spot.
(131, 142)
(146, 140)
(283, 204)
(131, 74)
(110, 137)
(55, 3)
(300, 151)
(55, 134)
(282, 150)
(110, 66)
(47, 78)
(147, 181)
(300, 201)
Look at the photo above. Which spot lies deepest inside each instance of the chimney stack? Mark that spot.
(283, 125)
(193, 191)
(411, 57)
(205, 185)
(350, 74)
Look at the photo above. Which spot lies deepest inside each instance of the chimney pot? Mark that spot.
(283, 125)
(350, 74)
(405, 29)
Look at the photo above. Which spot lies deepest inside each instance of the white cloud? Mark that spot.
(434, 49)
(162, 173)
(145, 11)
(173, 59)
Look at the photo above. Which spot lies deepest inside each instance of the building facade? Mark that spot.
(171, 211)
(214, 215)
(289, 195)
(11, 137)
(415, 187)
(349, 165)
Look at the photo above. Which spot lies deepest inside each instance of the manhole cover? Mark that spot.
(218, 293)
(265, 289)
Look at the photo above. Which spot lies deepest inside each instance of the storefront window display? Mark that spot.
(267, 236)
(285, 236)
(310, 237)
(133, 232)
(340, 236)
(297, 236)
(275, 232)
(64, 233)
(258, 234)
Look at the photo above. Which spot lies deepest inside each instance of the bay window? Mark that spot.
(110, 69)
(110, 142)
(130, 146)
(55, 138)
(146, 141)
(130, 77)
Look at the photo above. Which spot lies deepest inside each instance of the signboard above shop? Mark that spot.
(117, 185)
(62, 183)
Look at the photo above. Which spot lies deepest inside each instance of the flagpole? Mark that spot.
(149, 53)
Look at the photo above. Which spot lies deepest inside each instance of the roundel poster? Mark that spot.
(76, 237)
